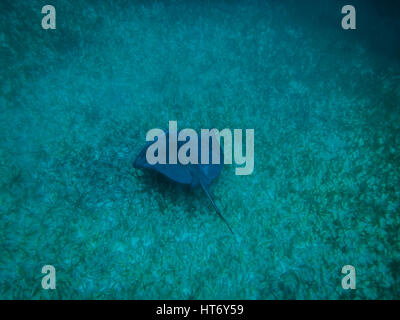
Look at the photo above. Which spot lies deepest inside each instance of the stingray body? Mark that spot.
(189, 174)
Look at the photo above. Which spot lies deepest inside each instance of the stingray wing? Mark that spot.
(175, 172)
(178, 172)
(212, 170)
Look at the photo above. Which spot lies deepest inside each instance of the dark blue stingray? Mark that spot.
(190, 174)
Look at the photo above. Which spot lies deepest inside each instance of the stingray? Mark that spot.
(190, 174)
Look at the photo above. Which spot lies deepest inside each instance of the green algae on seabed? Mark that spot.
(76, 104)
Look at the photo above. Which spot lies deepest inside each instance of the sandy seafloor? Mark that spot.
(76, 103)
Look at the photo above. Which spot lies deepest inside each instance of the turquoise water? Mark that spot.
(76, 103)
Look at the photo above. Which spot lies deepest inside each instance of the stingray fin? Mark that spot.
(215, 206)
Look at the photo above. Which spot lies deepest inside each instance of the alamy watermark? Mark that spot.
(349, 280)
(188, 152)
(349, 20)
(49, 20)
(49, 280)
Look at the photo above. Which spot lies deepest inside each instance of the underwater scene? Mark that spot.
(316, 216)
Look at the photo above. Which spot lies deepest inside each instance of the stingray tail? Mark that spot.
(215, 206)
